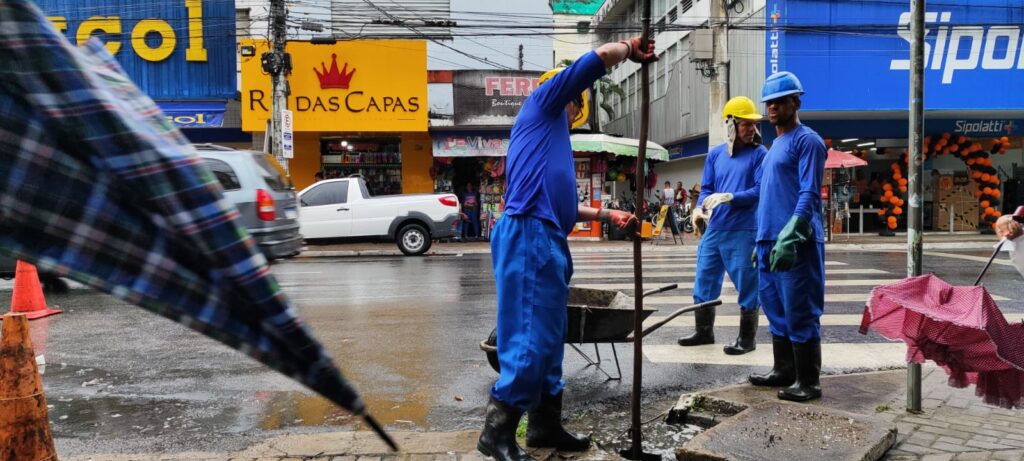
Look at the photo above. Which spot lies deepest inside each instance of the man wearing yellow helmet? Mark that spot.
(531, 260)
(727, 202)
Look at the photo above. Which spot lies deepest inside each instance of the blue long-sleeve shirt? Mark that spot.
(539, 169)
(791, 183)
(739, 175)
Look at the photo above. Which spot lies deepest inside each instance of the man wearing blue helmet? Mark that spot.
(790, 250)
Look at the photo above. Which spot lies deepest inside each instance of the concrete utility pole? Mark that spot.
(278, 64)
(719, 23)
(915, 175)
(520, 56)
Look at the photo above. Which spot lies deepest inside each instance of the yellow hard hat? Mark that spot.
(741, 107)
(581, 116)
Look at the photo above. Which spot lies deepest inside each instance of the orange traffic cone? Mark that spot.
(28, 293)
(24, 424)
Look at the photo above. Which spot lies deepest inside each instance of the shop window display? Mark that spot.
(379, 162)
(486, 174)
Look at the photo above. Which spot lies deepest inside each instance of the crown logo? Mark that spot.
(332, 78)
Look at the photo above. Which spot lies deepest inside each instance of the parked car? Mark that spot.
(343, 209)
(263, 194)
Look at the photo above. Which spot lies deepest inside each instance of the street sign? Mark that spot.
(287, 142)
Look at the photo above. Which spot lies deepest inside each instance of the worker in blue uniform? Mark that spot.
(531, 260)
(728, 197)
(790, 244)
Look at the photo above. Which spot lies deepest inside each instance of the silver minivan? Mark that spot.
(263, 194)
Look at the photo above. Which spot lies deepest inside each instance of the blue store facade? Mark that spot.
(852, 58)
(179, 52)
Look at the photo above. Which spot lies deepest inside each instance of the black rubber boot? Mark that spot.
(808, 373)
(544, 427)
(498, 439)
(745, 342)
(783, 372)
(704, 328)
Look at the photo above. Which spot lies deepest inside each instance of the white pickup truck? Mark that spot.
(343, 209)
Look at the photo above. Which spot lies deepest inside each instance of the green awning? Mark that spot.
(602, 143)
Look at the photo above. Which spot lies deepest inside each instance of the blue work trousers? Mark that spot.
(723, 251)
(795, 299)
(470, 227)
(532, 267)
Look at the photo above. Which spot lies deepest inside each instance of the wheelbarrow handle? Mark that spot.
(661, 290)
(677, 313)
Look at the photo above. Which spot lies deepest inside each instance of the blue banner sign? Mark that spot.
(197, 114)
(172, 49)
(854, 55)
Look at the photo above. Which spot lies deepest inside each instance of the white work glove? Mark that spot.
(713, 200)
(700, 219)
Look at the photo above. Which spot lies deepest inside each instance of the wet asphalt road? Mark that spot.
(120, 379)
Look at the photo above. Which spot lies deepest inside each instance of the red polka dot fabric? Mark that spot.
(959, 328)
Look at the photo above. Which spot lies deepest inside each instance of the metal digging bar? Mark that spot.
(636, 451)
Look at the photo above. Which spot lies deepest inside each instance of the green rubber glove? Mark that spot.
(797, 231)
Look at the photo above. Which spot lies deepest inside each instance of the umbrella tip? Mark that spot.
(380, 431)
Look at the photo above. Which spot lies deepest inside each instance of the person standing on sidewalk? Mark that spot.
(531, 260)
(791, 244)
(1011, 228)
(730, 187)
(668, 198)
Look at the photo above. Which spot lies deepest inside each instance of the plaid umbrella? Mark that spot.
(98, 186)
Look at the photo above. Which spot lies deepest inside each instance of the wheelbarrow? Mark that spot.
(600, 317)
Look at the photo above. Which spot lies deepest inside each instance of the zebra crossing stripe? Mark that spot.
(834, 320)
(689, 285)
(730, 299)
(604, 266)
(833, 355)
(624, 275)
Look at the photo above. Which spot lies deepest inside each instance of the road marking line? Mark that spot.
(837, 320)
(968, 257)
(689, 285)
(693, 274)
(686, 265)
(835, 355)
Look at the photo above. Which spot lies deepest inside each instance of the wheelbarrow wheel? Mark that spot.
(492, 354)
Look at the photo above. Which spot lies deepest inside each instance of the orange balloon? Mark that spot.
(884, 199)
(903, 189)
(1002, 151)
(886, 186)
(892, 219)
(977, 193)
(897, 176)
(995, 193)
(985, 204)
(985, 177)
(903, 181)
(887, 194)
(892, 225)
(997, 214)
(990, 210)
(882, 211)
(995, 180)
(945, 135)
(970, 161)
(954, 148)
(976, 174)
(902, 202)
(1005, 140)
(987, 191)
(897, 211)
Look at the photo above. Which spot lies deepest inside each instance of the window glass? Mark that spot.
(227, 177)
(332, 193)
(272, 172)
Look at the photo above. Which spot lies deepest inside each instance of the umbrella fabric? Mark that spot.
(840, 159)
(602, 143)
(98, 186)
(959, 328)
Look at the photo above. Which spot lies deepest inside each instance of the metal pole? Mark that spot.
(719, 89)
(915, 171)
(278, 81)
(861, 220)
(636, 451)
(952, 211)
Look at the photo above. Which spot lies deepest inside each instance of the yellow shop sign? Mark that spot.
(369, 85)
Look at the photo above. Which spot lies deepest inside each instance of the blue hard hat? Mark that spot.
(780, 84)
